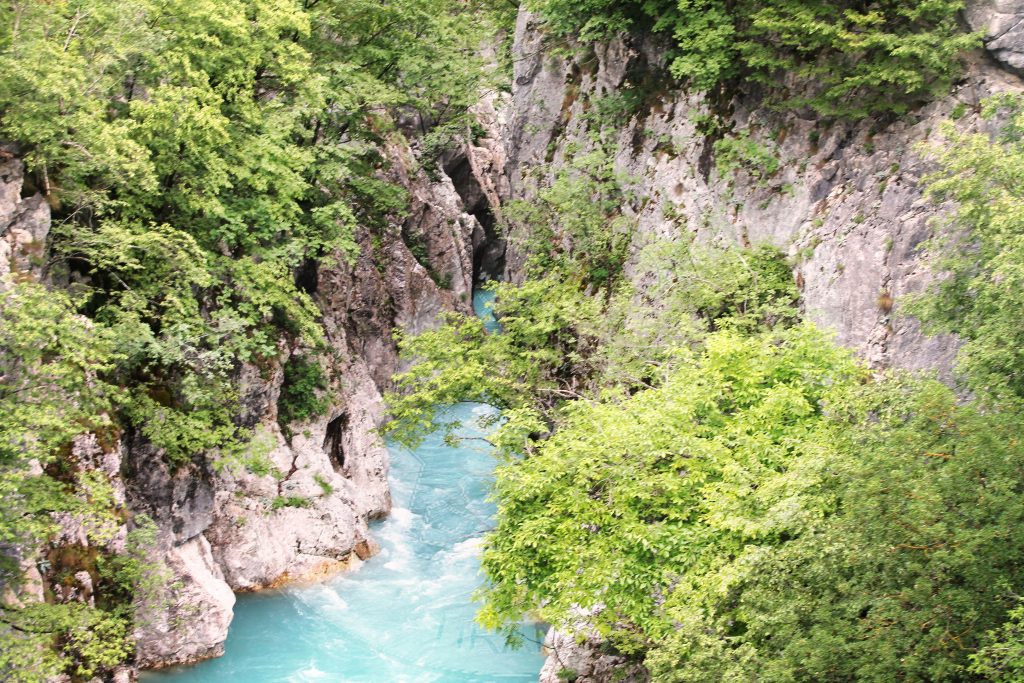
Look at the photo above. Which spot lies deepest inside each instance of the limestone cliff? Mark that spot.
(846, 202)
(219, 529)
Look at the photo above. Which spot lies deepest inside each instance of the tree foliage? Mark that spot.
(196, 154)
(846, 58)
(559, 341)
(54, 364)
(1001, 659)
(909, 558)
(200, 152)
(719, 491)
(301, 397)
(981, 248)
(632, 490)
(577, 223)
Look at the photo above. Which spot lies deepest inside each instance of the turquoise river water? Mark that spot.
(405, 616)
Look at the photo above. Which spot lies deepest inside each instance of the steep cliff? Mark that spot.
(301, 513)
(222, 530)
(844, 201)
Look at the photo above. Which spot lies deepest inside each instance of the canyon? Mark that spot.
(846, 205)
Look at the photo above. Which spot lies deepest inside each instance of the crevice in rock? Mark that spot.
(489, 245)
(307, 276)
(291, 472)
(334, 444)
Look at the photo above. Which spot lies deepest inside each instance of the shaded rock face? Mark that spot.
(847, 203)
(1001, 24)
(478, 175)
(586, 663)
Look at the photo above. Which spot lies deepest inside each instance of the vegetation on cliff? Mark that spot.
(196, 154)
(688, 471)
(841, 58)
(981, 249)
(715, 489)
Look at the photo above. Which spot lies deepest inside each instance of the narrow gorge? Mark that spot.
(752, 413)
(408, 614)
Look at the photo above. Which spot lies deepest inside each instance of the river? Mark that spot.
(405, 616)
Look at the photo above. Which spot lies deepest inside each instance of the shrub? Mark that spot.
(848, 59)
(742, 152)
(300, 397)
(290, 502)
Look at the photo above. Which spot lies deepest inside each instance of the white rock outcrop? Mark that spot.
(188, 619)
(1001, 23)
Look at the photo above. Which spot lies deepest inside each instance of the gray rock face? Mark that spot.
(188, 621)
(259, 545)
(846, 202)
(24, 223)
(1001, 23)
(569, 660)
(179, 501)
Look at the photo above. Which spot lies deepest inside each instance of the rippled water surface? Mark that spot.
(406, 615)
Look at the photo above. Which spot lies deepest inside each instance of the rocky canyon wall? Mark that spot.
(222, 527)
(846, 203)
(221, 530)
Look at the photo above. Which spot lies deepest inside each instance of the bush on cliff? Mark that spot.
(843, 58)
(196, 154)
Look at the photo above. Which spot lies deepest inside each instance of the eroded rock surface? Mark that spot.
(847, 203)
(303, 514)
(1001, 24)
(24, 222)
(188, 619)
(569, 660)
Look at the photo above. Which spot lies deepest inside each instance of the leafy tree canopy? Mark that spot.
(846, 58)
(196, 154)
(980, 247)
(199, 152)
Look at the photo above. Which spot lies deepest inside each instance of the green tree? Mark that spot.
(850, 59)
(910, 556)
(1001, 659)
(559, 343)
(981, 248)
(53, 364)
(196, 154)
(199, 152)
(633, 491)
(576, 224)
